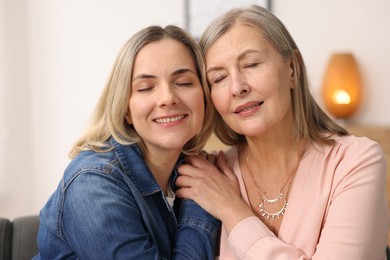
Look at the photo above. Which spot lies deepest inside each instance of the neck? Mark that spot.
(161, 165)
(272, 160)
(276, 142)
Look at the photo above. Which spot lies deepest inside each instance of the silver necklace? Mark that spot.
(263, 195)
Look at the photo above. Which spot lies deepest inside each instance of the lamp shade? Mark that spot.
(342, 87)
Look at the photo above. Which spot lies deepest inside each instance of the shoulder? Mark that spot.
(352, 146)
(354, 140)
(89, 175)
(348, 156)
(90, 164)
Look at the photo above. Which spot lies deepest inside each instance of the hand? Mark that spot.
(214, 187)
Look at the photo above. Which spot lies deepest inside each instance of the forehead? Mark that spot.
(238, 39)
(163, 53)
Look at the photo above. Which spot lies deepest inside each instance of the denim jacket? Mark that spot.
(109, 206)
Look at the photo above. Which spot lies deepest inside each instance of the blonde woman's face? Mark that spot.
(167, 102)
(250, 82)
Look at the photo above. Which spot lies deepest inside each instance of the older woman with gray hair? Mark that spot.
(294, 184)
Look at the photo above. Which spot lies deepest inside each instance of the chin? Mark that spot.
(174, 144)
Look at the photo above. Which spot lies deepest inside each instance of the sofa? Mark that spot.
(18, 238)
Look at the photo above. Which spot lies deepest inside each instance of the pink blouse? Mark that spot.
(337, 208)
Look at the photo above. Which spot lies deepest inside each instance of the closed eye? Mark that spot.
(184, 84)
(144, 89)
(219, 79)
(144, 86)
(251, 65)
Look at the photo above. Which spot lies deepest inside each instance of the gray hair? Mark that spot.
(309, 119)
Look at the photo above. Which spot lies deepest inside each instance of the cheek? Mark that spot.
(128, 115)
(137, 108)
(194, 101)
(220, 100)
(197, 102)
(284, 87)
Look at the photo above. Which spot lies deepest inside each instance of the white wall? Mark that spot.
(15, 116)
(56, 55)
(59, 54)
(74, 44)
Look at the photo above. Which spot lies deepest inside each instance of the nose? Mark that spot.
(239, 85)
(167, 96)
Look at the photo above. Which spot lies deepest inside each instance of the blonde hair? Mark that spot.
(109, 115)
(310, 120)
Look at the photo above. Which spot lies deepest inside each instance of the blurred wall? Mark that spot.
(57, 54)
(16, 159)
(321, 28)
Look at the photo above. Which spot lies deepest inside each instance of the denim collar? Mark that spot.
(132, 160)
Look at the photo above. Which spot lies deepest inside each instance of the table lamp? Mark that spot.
(342, 87)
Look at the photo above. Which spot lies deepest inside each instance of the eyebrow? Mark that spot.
(182, 71)
(175, 73)
(144, 76)
(240, 57)
(216, 68)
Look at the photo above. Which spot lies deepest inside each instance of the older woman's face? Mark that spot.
(167, 102)
(250, 82)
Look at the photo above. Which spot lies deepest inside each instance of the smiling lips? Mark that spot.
(167, 120)
(248, 107)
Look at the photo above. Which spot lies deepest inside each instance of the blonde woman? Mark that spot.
(116, 199)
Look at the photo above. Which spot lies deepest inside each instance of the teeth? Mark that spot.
(248, 108)
(169, 120)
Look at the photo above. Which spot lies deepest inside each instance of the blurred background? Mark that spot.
(55, 56)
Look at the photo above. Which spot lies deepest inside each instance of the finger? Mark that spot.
(203, 154)
(183, 192)
(223, 166)
(183, 182)
(212, 158)
(188, 169)
(186, 188)
(200, 161)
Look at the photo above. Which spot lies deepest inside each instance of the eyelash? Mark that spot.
(145, 89)
(184, 84)
(219, 79)
(251, 65)
(246, 66)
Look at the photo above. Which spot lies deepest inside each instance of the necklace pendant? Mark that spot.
(272, 215)
(271, 201)
(278, 200)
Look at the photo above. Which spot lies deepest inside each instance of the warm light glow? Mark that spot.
(342, 90)
(341, 97)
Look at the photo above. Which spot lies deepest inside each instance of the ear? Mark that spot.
(128, 117)
(294, 69)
